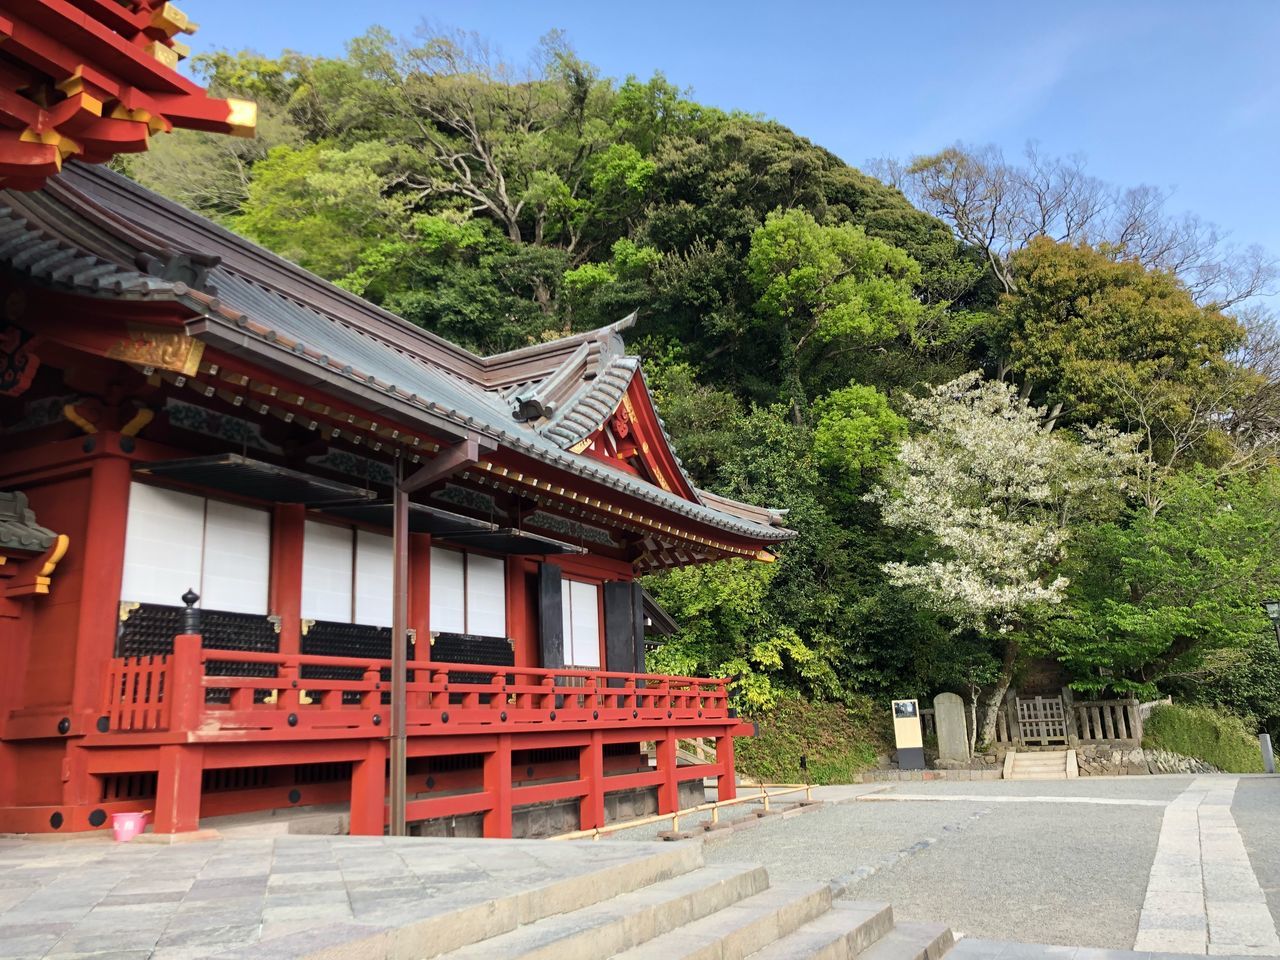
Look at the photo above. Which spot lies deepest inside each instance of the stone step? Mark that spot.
(627, 920)
(911, 941)
(494, 918)
(742, 929)
(848, 928)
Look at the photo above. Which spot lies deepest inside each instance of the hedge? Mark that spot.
(1206, 734)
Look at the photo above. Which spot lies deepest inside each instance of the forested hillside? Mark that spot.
(1022, 415)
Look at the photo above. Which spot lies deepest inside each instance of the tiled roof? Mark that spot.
(583, 413)
(100, 234)
(18, 528)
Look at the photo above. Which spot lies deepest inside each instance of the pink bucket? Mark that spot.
(126, 826)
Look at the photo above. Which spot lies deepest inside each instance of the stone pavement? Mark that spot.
(277, 897)
(1009, 950)
(1203, 896)
(1065, 862)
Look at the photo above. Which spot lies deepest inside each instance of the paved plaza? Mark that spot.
(1187, 865)
(1162, 865)
(284, 897)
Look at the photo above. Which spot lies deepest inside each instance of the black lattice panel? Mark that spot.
(150, 628)
(327, 638)
(468, 648)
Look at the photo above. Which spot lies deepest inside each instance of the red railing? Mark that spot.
(137, 693)
(170, 693)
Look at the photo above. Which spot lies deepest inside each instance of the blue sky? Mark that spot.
(1178, 94)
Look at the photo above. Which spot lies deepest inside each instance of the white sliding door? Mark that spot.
(582, 625)
(163, 545)
(375, 575)
(448, 591)
(486, 596)
(327, 576)
(237, 558)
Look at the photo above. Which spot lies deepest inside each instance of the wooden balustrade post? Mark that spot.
(1011, 708)
(726, 779)
(591, 769)
(439, 699)
(178, 782)
(1135, 720)
(1069, 712)
(497, 783)
(373, 696)
(369, 791)
(550, 684)
(186, 683)
(288, 697)
(669, 788)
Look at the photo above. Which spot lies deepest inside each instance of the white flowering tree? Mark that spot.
(993, 492)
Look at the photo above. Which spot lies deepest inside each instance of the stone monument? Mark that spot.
(953, 734)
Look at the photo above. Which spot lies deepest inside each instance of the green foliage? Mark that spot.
(1244, 681)
(856, 432)
(1217, 738)
(838, 741)
(322, 206)
(1093, 332)
(820, 285)
(1155, 596)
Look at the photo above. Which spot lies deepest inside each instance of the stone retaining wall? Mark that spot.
(875, 776)
(1104, 761)
(561, 816)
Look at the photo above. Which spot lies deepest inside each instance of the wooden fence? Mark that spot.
(1111, 722)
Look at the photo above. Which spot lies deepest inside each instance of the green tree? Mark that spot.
(1157, 597)
(855, 433)
(1088, 332)
(323, 206)
(996, 494)
(826, 285)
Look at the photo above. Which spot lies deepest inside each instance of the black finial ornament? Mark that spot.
(191, 614)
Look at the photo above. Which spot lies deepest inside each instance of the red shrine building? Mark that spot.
(232, 496)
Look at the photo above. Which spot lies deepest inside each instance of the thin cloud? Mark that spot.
(1004, 93)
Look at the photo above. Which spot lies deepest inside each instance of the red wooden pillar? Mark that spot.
(497, 783)
(420, 594)
(369, 792)
(726, 779)
(591, 769)
(178, 788)
(102, 553)
(288, 526)
(669, 788)
(186, 683)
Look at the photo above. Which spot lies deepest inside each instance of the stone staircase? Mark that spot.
(717, 912)
(1040, 765)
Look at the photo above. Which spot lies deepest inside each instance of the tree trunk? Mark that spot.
(1007, 662)
(973, 722)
